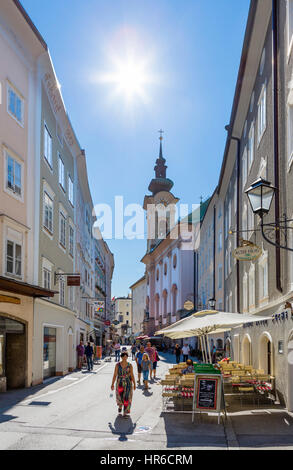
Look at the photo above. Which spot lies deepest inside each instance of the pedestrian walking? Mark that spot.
(138, 359)
(151, 353)
(146, 369)
(155, 362)
(80, 354)
(89, 356)
(117, 349)
(125, 384)
(133, 351)
(177, 352)
(185, 352)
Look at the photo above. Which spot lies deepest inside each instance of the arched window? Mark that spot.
(174, 299)
(165, 269)
(165, 297)
(174, 261)
(157, 299)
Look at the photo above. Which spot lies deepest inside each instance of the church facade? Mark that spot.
(169, 259)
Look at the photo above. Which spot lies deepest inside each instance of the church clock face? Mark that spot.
(163, 202)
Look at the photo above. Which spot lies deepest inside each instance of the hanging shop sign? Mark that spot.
(99, 306)
(247, 252)
(73, 281)
(107, 323)
(188, 305)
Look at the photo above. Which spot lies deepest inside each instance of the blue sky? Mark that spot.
(192, 52)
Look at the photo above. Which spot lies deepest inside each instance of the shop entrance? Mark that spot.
(266, 354)
(246, 351)
(12, 353)
(49, 353)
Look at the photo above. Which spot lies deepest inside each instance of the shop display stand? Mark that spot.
(176, 398)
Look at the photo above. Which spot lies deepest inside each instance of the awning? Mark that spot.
(23, 288)
(206, 322)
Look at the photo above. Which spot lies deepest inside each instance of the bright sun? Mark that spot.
(129, 77)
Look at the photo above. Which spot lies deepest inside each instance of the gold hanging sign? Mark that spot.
(247, 251)
(188, 305)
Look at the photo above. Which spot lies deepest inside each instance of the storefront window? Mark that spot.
(49, 353)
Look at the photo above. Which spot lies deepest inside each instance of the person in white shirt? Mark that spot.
(185, 352)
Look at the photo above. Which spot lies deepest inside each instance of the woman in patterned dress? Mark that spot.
(124, 374)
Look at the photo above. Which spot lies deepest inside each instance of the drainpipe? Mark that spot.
(276, 136)
(237, 213)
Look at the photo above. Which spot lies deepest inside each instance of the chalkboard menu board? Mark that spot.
(207, 393)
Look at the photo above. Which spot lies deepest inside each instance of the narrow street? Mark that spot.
(77, 412)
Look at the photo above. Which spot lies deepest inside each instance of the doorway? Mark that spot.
(266, 354)
(49, 352)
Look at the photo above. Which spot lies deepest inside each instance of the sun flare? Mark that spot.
(130, 78)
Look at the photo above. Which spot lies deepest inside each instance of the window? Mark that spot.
(71, 241)
(61, 172)
(46, 278)
(250, 149)
(165, 269)
(174, 261)
(261, 118)
(13, 175)
(220, 241)
(220, 274)
(70, 190)
(244, 167)
(62, 231)
(158, 275)
(48, 213)
(13, 258)
(15, 104)
(48, 146)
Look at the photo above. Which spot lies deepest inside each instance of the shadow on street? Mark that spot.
(123, 427)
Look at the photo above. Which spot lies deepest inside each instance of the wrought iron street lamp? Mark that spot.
(212, 304)
(260, 195)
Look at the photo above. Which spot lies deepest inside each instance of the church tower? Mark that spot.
(160, 207)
